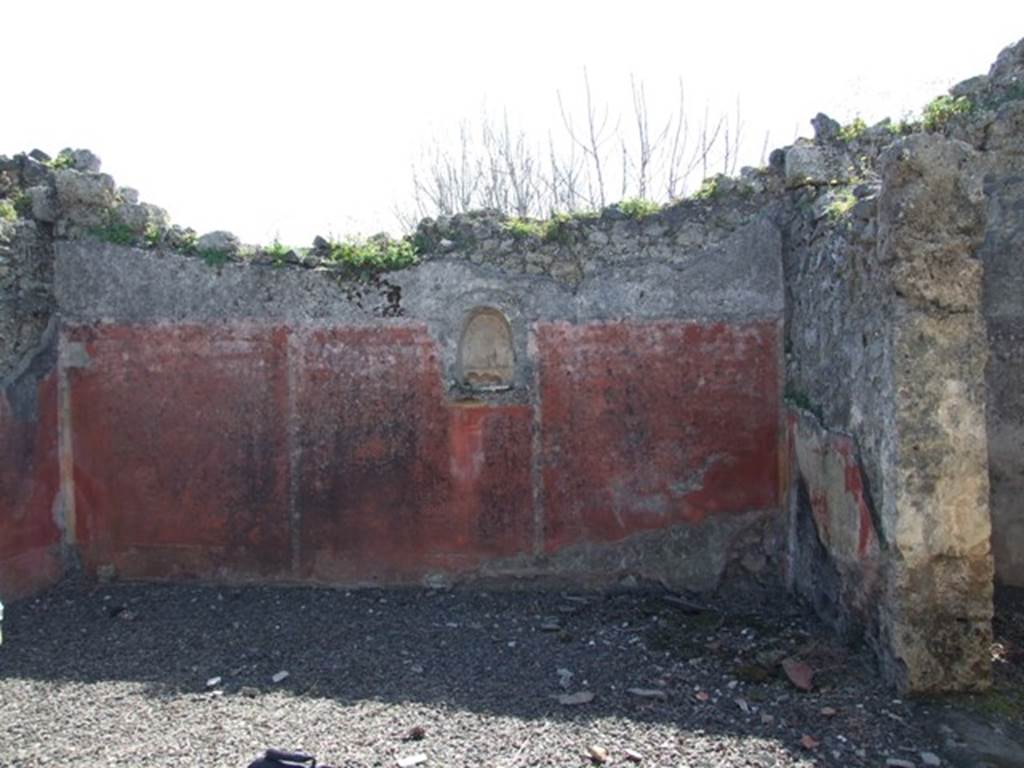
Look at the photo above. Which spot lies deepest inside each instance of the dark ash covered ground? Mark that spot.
(117, 675)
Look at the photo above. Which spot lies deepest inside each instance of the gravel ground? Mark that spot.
(121, 675)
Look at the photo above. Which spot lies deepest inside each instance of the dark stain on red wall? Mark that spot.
(393, 482)
(334, 454)
(180, 450)
(649, 425)
(29, 484)
(490, 449)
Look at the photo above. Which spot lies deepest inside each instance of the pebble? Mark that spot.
(896, 762)
(597, 755)
(213, 682)
(799, 673)
(407, 762)
(280, 677)
(572, 699)
(931, 759)
(648, 693)
(416, 733)
(633, 756)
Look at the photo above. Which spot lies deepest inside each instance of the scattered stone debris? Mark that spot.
(564, 677)
(221, 242)
(573, 699)
(799, 673)
(598, 755)
(408, 762)
(648, 693)
(69, 694)
(416, 733)
(687, 606)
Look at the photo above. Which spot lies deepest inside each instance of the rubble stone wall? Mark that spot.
(998, 134)
(31, 511)
(901, 291)
(31, 507)
(889, 522)
(994, 126)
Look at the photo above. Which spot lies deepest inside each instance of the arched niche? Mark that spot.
(486, 357)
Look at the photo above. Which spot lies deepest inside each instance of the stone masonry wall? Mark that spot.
(30, 504)
(839, 380)
(996, 130)
(889, 529)
(887, 306)
(232, 413)
(273, 427)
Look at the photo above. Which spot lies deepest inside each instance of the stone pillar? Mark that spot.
(1003, 256)
(935, 616)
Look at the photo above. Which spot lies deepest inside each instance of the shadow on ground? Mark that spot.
(480, 670)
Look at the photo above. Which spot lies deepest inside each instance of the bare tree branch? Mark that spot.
(497, 165)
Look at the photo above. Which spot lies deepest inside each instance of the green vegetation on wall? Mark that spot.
(62, 160)
(116, 232)
(638, 207)
(708, 188)
(939, 111)
(375, 254)
(853, 130)
(841, 204)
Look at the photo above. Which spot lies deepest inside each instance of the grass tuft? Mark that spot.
(638, 207)
(940, 110)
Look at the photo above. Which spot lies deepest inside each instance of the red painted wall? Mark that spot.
(180, 450)
(394, 483)
(29, 485)
(650, 425)
(334, 454)
(827, 465)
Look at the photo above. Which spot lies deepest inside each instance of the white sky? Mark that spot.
(303, 118)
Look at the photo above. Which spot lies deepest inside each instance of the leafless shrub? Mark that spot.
(591, 159)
